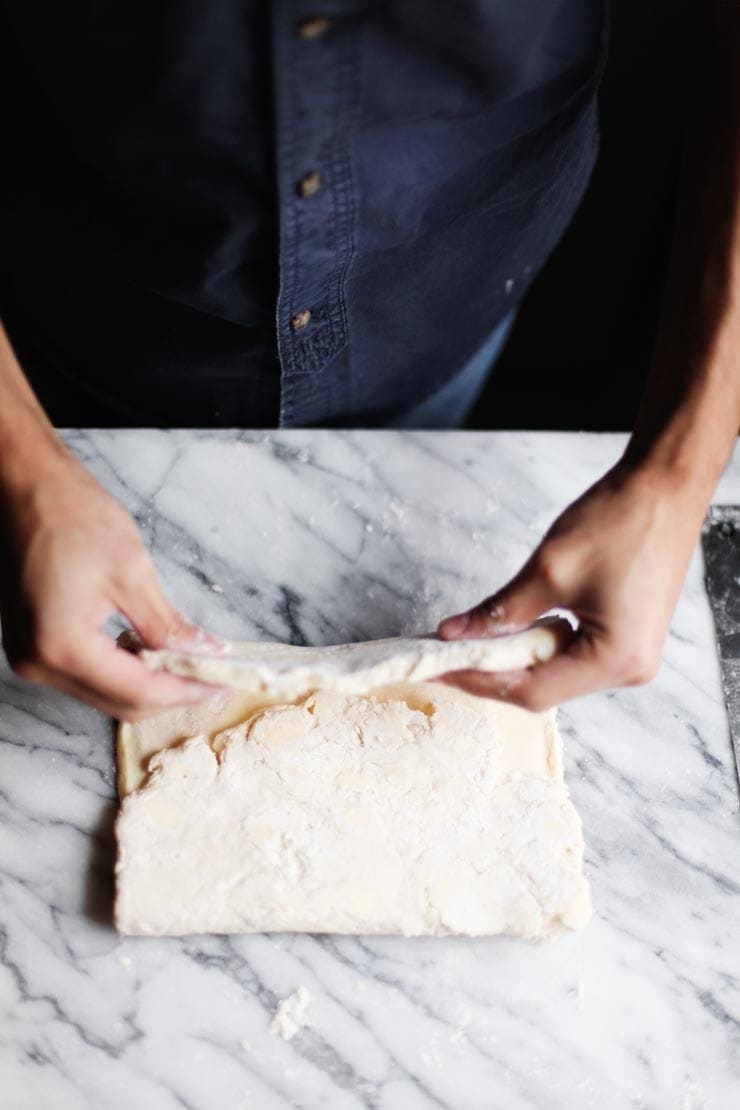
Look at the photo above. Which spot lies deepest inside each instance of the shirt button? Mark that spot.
(314, 27)
(299, 321)
(309, 184)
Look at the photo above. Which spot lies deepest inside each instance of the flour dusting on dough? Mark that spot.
(415, 810)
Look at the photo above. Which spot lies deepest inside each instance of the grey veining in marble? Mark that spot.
(319, 537)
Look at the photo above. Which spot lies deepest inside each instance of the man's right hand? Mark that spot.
(71, 556)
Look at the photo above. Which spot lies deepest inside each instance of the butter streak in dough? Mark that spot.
(417, 809)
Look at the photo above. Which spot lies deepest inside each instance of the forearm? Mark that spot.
(690, 413)
(29, 446)
(618, 555)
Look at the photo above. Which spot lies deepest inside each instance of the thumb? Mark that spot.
(512, 608)
(154, 618)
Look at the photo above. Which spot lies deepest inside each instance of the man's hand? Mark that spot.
(616, 558)
(71, 556)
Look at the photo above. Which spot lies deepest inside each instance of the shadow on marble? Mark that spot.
(100, 884)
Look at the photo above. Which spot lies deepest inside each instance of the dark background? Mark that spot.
(581, 345)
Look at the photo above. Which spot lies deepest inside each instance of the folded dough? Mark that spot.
(413, 809)
(286, 671)
(266, 673)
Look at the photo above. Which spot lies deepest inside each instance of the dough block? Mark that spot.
(414, 809)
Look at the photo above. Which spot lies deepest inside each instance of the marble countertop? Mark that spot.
(319, 537)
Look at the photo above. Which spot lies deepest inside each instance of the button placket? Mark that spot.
(315, 102)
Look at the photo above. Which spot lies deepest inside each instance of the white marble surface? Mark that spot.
(325, 536)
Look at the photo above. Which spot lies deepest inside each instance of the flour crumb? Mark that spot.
(290, 1015)
(694, 1097)
(216, 588)
(124, 961)
(246, 1045)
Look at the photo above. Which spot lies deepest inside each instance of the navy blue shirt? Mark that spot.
(249, 213)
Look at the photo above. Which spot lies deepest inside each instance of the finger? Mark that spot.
(78, 690)
(89, 695)
(120, 682)
(577, 671)
(158, 624)
(155, 619)
(200, 641)
(509, 610)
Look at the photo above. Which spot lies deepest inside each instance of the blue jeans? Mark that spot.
(449, 407)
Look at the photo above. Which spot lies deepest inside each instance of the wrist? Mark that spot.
(30, 449)
(678, 464)
(31, 457)
(666, 492)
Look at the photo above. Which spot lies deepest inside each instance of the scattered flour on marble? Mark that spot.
(394, 518)
(432, 1055)
(694, 1097)
(291, 1015)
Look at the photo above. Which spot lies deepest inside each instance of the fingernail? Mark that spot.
(202, 691)
(455, 626)
(203, 642)
(215, 644)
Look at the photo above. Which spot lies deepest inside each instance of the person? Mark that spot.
(249, 214)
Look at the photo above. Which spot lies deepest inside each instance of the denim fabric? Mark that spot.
(450, 406)
(226, 213)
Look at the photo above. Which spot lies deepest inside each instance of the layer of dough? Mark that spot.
(528, 750)
(266, 673)
(285, 672)
(415, 810)
(138, 742)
